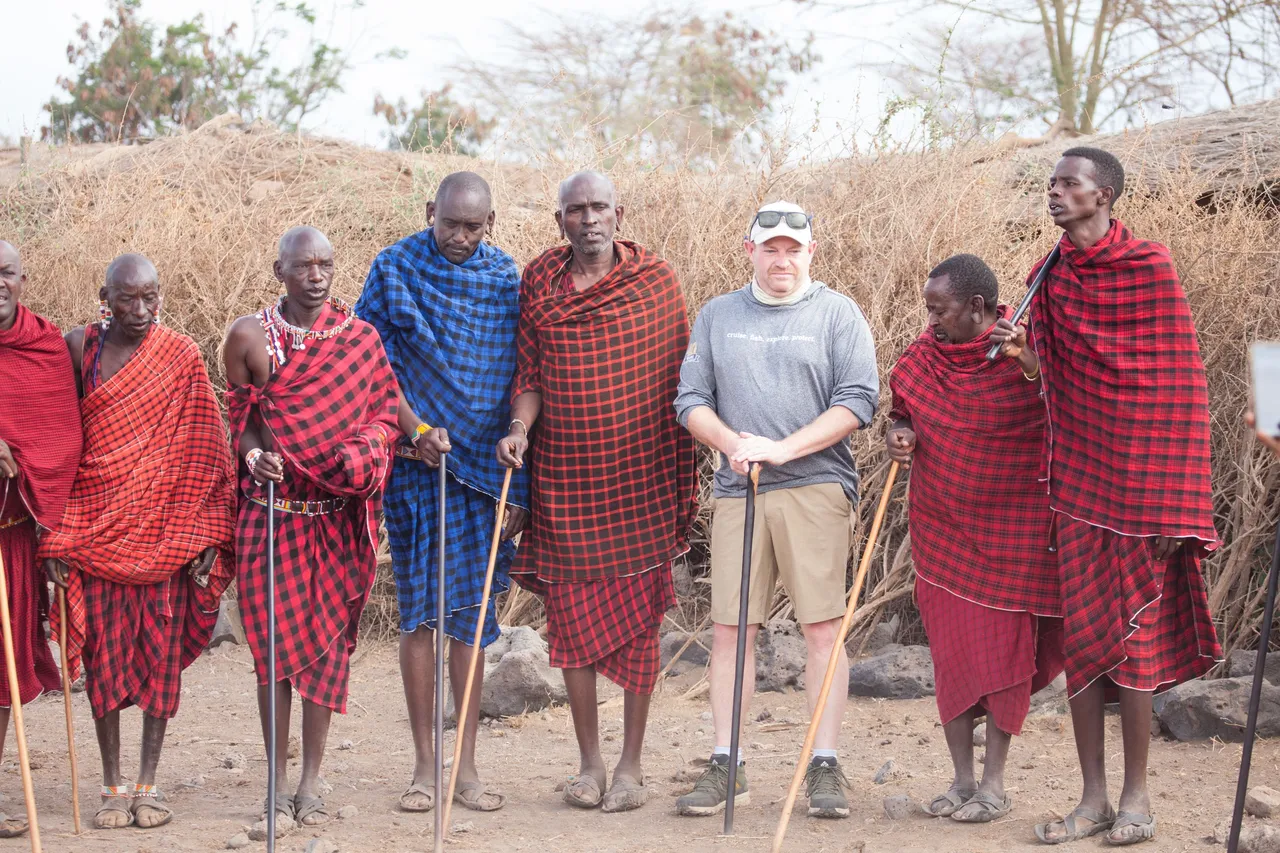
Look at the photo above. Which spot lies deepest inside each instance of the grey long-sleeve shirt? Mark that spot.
(771, 369)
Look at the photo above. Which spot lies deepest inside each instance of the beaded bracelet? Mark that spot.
(251, 459)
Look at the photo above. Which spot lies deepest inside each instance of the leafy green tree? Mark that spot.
(671, 81)
(133, 81)
(439, 123)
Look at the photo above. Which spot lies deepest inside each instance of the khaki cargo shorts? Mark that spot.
(801, 535)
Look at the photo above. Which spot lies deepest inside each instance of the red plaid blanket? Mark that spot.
(614, 480)
(978, 507)
(41, 428)
(1128, 404)
(331, 410)
(155, 483)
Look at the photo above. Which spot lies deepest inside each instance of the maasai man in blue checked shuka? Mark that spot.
(447, 304)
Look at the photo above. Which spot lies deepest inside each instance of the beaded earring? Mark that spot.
(155, 318)
(104, 314)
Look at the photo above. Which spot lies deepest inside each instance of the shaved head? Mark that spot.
(597, 181)
(9, 255)
(131, 269)
(464, 183)
(299, 238)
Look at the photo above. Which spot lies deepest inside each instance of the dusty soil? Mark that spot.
(528, 756)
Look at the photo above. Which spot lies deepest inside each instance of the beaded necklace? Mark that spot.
(300, 335)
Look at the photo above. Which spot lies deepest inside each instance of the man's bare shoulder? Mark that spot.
(75, 343)
(246, 331)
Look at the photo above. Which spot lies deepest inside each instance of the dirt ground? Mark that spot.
(370, 757)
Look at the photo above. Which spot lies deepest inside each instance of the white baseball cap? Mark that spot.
(785, 226)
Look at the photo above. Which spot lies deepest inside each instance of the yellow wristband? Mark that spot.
(419, 432)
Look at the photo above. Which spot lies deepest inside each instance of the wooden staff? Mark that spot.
(1255, 697)
(465, 705)
(802, 762)
(66, 704)
(740, 653)
(15, 704)
(439, 721)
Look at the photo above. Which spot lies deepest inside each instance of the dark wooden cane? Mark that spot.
(1025, 304)
(271, 666)
(440, 635)
(1255, 697)
(740, 658)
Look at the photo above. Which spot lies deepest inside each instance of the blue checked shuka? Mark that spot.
(450, 334)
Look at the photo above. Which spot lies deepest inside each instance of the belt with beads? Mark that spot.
(305, 507)
(14, 522)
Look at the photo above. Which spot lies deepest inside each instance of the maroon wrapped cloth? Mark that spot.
(987, 658)
(614, 479)
(978, 506)
(42, 429)
(1128, 447)
(331, 409)
(41, 426)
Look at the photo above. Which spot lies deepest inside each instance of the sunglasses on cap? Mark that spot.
(771, 218)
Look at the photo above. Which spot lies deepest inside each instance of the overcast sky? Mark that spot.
(434, 34)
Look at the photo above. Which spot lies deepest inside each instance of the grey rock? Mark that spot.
(348, 812)
(887, 771)
(898, 807)
(320, 845)
(1262, 801)
(233, 761)
(980, 734)
(1242, 662)
(1260, 838)
(240, 839)
(898, 672)
(883, 635)
(518, 676)
(258, 832)
(1198, 710)
(696, 654)
(229, 628)
(780, 656)
(461, 826)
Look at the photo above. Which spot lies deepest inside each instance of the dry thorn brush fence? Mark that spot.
(208, 206)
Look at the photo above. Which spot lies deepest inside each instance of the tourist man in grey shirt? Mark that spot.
(780, 372)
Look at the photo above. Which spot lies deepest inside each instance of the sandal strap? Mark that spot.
(985, 800)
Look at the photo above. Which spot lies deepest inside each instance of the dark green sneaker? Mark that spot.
(824, 786)
(711, 791)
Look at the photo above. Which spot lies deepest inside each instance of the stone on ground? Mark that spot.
(1198, 710)
(1260, 838)
(695, 655)
(1242, 662)
(887, 771)
(348, 812)
(885, 633)
(780, 656)
(518, 676)
(1262, 801)
(258, 832)
(897, 672)
(980, 734)
(239, 840)
(898, 807)
(320, 845)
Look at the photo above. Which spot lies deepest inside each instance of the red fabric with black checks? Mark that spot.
(155, 484)
(1128, 402)
(332, 411)
(611, 624)
(978, 506)
(987, 658)
(614, 475)
(1143, 623)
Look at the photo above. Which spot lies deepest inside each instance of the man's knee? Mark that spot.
(821, 636)
(725, 637)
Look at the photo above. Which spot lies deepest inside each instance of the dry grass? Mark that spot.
(207, 208)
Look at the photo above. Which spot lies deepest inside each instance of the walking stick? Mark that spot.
(465, 705)
(271, 666)
(15, 703)
(994, 352)
(1255, 697)
(802, 762)
(439, 727)
(740, 655)
(66, 704)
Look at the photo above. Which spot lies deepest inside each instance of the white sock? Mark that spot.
(820, 753)
(724, 750)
